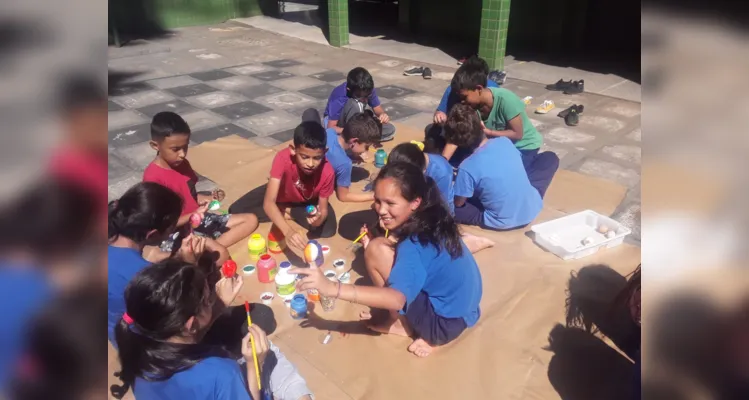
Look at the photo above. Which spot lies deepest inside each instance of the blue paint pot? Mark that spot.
(298, 308)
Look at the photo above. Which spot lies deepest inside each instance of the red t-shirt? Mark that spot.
(181, 180)
(296, 190)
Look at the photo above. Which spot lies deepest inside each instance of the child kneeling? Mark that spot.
(431, 285)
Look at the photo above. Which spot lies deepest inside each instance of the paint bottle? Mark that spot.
(266, 269)
(256, 245)
(285, 282)
(298, 308)
(380, 158)
(276, 241)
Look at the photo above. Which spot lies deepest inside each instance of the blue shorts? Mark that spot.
(426, 324)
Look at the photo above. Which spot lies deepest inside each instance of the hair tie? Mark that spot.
(128, 320)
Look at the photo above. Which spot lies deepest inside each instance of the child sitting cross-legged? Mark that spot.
(169, 307)
(300, 176)
(423, 273)
(492, 189)
(170, 137)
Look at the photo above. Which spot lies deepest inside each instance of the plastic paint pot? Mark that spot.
(298, 307)
(256, 245)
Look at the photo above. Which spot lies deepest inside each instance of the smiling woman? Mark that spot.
(431, 287)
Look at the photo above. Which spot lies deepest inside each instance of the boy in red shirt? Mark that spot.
(170, 137)
(301, 176)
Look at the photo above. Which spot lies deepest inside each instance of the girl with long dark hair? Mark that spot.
(170, 305)
(423, 273)
(145, 215)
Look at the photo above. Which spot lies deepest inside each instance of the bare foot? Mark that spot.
(476, 243)
(420, 348)
(390, 327)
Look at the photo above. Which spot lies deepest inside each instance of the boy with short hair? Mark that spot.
(359, 133)
(300, 176)
(350, 98)
(503, 115)
(491, 189)
(170, 137)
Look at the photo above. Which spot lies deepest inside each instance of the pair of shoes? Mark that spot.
(571, 114)
(578, 109)
(425, 72)
(498, 76)
(568, 87)
(544, 108)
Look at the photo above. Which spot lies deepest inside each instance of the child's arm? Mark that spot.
(334, 124)
(184, 219)
(375, 297)
(380, 113)
(515, 132)
(344, 194)
(271, 209)
(459, 201)
(449, 150)
(322, 213)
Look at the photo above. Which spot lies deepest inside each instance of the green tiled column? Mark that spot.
(495, 15)
(338, 22)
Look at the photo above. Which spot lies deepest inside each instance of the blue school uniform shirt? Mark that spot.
(338, 99)
(494, 174)
(212, 378)
(25, 290)
(442, 172)
(124, 263)
(453, 286)
(448, 101)
(339, 160)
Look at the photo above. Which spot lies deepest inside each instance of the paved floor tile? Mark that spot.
(270, 122)
(112, 106)
(136, 156)
(599, 122)
(142, 99)
(241, 110)
(398, 111)
(124, 89)
(191, 90)
(234, 83)
(211, 75)
(253, 92)
(219, 132)
(203, 119)
(176, 106)
(623, 152)
(282, 63)
(216, 99)
(123, 118)
(611, 171)
(304, 70)
(422, 102)
(321, 92)
(296, 83)
(286, 100)
(284, 136)
(130, 135)
(175, 81)
(568, 135)
(272, 75)
(119, 186)
(248, 69)
(116, 168)
(393, 91)
(635, 135)
(330, 76)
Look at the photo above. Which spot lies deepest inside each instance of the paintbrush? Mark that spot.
(252, 344)
(357, 239)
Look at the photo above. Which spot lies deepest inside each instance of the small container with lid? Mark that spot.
(298, 307)
(256, 245)
(285, 282)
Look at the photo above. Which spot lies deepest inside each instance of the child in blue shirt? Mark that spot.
(351, 98)
(145, 215)
(423, 274)
(170, 305)
(492, 189)
(359, 133)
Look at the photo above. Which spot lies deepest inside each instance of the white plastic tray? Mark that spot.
(564, 236)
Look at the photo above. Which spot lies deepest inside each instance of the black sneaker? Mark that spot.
(559, 86)
(414, 71)
(427, 74)
(577, 108)
(498, 76)
(572, 118)
(576, 87)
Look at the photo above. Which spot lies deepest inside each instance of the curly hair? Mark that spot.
(463, 127)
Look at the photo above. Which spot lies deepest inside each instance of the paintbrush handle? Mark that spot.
(359, 238)
(254, 354)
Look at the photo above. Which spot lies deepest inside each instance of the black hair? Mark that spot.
(474, 72)
(50, 218)
(79, 91)
(160, 299)
(364, 127)
(143, 208)
(60, 359)
(431, 222)
(359, 83)
(167, 123)
(463, 127)
(311, 135)
(408, 152)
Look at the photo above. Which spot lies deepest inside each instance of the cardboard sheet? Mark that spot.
(502, 357)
